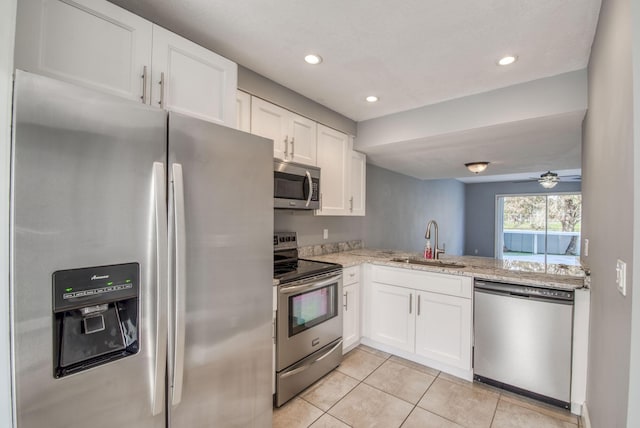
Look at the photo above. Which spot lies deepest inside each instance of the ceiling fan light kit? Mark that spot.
(477, 167)
(548, 180)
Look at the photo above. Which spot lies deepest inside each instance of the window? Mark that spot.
(539, 228)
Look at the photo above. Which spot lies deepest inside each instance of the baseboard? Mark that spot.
(585, 422)
(454, 371)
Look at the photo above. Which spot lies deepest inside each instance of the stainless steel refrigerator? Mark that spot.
(141, 265)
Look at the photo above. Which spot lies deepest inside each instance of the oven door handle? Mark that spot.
(317, 360)
(311, 285)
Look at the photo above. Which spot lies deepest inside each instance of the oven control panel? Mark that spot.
(285, 240)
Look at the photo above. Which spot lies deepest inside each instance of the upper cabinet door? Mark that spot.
(88, 42)
(358, 172)
(270, 121)
(302, 143)
(333, 159)
(192, 80)
(243, 111)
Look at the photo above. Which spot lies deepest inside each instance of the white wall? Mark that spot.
(7, 30)
(608, 213)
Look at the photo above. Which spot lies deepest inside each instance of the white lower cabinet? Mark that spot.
(392, 321)
(443, 329)
(421, 315)
(351, 308)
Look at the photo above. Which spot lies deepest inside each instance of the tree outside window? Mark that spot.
(541, 228)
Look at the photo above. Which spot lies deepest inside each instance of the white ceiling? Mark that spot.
(410, 53)
(521, 147)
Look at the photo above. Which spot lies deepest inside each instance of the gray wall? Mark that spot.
(258, 85)
(310, 227)
(399, 207)
(633, 418)
(7, 27)
(608, 212)
(480, 211)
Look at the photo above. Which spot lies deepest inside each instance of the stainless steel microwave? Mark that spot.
(295, 186)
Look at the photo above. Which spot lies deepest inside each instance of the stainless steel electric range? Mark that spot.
(309, 318)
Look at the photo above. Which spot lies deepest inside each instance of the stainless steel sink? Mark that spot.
(434, 263)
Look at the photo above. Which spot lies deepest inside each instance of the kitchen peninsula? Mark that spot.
(424, 310)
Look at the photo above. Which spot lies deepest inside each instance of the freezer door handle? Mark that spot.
(160, 214)
(180, 283)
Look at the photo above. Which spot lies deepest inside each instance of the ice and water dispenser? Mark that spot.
(96, 316)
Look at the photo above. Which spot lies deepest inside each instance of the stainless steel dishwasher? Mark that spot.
(523, 338)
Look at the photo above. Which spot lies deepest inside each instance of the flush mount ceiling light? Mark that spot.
(371, 99)
(548, 180)
(506, 60)
(313, 59)
(477, 167)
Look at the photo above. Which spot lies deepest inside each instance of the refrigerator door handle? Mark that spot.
(180, 283)
(160, 213)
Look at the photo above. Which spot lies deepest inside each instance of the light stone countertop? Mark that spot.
(514, 272)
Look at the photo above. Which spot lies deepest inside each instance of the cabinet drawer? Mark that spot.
(351, 275)
(452, 285)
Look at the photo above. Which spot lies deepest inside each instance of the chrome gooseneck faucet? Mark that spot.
(436, 251)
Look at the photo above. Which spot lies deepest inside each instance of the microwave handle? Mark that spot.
(310, 188)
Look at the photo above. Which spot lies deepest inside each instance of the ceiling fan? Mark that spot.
(549, 179)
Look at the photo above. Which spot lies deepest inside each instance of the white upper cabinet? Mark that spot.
(270, 121)
(192, 80)
(302, 144)
(88, 42)
(97, 44)
(357, 183)
(294, 136)
(243, 111)
(333, 159)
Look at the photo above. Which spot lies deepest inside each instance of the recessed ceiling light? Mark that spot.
(506, 60)
(313, 59)
(371, 98)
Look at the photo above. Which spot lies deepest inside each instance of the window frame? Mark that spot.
(499, 219)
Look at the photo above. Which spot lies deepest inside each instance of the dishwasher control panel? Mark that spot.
(545, 292)
(524, 290)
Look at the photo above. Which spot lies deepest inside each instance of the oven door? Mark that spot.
(309, 317)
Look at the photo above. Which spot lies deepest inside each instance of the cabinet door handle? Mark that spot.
(346, 300)
(286, 146)
(144, 85)
(418, 311)
(351, 202)
(410, 301)
(293, 140)
(161, 82)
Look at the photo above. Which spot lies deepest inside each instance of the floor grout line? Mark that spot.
(439, 375)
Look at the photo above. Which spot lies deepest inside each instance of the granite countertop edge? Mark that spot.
(476, 267)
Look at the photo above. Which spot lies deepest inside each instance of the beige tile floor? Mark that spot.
(374, 389)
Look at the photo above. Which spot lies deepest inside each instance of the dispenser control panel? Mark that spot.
(76, 288)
